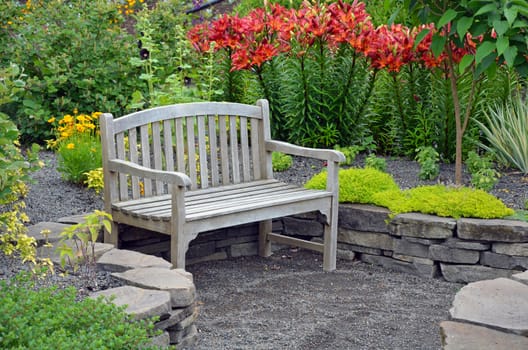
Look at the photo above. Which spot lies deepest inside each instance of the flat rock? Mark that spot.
(365, 239)
(517, 249)
(501, 304)
(469, 245)
(457, 336)
(521, 277)
(294, 226)
(471, 273)
(504, 261)
(422, 226)
(53, 252)
(141, 303)
(406, 247)
(493, 230)
(55, 229)
(182, 290)
(453, 255)
(362, 217)
(73, 219)
(175, 316)
(119, 260)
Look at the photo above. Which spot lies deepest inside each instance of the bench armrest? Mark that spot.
(317, 153)
(170, 177)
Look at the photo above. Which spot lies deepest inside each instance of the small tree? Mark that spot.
(498, 32)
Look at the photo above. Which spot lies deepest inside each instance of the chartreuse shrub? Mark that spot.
(371, 186)
(356, 185)
(52, 319)
(281, 161)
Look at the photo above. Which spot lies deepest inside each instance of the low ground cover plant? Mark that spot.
(49, 318)
(371, 186)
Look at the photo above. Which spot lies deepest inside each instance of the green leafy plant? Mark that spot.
(50, 318)
(356, 185)
(483, 175)
(505, 128)
(446, 201)
(281, 161)
(428, 159)
(77, 243)
(94, 180)
(378, 163)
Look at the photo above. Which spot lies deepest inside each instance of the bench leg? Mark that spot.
(330, 244)
(264, 242)
(112, 237)
(178, 249)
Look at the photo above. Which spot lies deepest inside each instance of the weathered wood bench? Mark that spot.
(188, 168)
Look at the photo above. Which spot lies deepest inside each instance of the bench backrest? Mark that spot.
(214, 143)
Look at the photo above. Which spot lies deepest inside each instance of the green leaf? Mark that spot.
(501, 27)
(511, 14)
(420, 37)
(447, 17)
(484, 50)
(463, 25)
(465, 62)
(510, 54)
(438, 43)
(486, 9)
(502, 44)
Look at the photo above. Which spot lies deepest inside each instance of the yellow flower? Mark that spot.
(75, 111)
(70, 146)
(79, 128)
(51, 120)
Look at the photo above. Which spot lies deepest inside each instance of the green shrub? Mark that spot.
(356, 185)
(483, 176)
(53, 319)
(378, 163)
(77, 155)
(505, 128)
(428, 159)
(444, 201)
(281, 161)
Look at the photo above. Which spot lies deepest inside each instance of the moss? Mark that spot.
(370, 186)
(444, 201)
(357, 185)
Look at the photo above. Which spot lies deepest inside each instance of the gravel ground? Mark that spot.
(287, 301)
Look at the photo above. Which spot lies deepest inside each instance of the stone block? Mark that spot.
(184, 338)
(119, 260)
(361, 217)
(501, 304)
(175, 316)
(471, 273)
(346, 254)
(457, 336)
(517, 249)
(424, 241)
(424, 267)
(405, 247)
(208, 236)
(141, 303)
(53, 252)
(55, 229)
(359, 249)
(131, 233)
(521, 277)
(160, 341)
(503, 261)
(413, 259)
(244, 249)
(236, 240)
(493, 230)
(243, 230)
(182, 290)
(220, 255)
(462, 244)
(365, 239)
(422, 226)
(200, 249)
(453, 255)
(293, 226)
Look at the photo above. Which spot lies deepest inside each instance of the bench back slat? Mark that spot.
(214, 143)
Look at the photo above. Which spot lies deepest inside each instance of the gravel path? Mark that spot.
(287, 301)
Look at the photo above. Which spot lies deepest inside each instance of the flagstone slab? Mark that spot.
(493, 230)
(53, 252)
(141, 303)
(120, 260)
(422, 226)
(501, 304)
(55, 229)
(181, 289)
(459, 336)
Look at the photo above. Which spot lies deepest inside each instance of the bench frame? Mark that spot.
(165, 171)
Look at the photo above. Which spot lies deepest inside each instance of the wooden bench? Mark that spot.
(187, 168)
